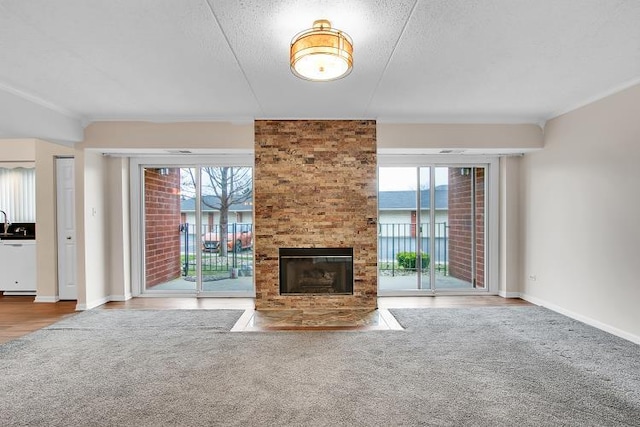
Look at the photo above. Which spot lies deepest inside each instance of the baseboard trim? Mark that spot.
(42, 298)
(584, 319)
(125, 297)
(504, 294)
(92, 304)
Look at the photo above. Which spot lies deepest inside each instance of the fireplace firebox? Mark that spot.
(316, 271)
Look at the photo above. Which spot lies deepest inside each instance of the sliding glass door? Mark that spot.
(225, 240)
(398, 229)
(439, 247)
(196, 229)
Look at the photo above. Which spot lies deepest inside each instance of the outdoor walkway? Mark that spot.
(245, 284)
(409, 282)
(240, 284)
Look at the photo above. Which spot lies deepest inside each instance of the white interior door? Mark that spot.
(66, 226)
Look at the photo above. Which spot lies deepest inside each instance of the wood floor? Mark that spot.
(20, 315)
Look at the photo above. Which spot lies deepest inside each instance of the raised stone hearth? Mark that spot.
(315, 187)
(317, 320)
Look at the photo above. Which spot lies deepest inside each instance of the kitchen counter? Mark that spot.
(17, 236)
(19, 231)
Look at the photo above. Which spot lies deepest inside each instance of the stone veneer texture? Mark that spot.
(315, 186)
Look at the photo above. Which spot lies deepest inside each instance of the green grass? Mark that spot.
(393, 265)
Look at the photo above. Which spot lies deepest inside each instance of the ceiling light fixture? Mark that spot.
(321, 53)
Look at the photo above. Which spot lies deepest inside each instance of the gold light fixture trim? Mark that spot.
(321, 53)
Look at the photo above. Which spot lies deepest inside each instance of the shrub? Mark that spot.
(408, 260)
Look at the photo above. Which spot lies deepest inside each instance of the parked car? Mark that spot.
(236, 242)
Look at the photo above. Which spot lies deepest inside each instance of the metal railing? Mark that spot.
(236, 259)
(396, 238)
(392, 240)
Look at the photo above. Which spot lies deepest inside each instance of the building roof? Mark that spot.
(387, 200)
(406, 200)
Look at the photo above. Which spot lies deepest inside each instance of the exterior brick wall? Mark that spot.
(315, 186)
(162, 226)
(460, 221)
(480, 219)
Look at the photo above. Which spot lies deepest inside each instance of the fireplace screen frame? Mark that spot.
(320, 266)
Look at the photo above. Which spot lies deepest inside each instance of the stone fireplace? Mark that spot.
(315, 188)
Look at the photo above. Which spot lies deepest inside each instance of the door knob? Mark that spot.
(68, 237)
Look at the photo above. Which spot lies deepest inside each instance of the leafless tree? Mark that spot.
(228, 185)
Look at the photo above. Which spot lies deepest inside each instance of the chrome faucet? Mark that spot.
(6, 222)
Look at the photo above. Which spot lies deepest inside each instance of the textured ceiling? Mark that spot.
(480, 61)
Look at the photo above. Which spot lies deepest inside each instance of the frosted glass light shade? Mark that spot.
(321, 53)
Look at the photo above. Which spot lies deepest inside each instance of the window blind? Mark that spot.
(18, 194)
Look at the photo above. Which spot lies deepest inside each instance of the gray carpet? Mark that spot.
(508, 366)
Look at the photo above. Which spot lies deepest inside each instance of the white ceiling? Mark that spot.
(424, 61)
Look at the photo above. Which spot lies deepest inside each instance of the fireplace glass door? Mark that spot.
(316, 271)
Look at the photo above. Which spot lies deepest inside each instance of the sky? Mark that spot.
(404, 178)
(396, 178)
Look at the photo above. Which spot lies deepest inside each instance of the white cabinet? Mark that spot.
(18, 265)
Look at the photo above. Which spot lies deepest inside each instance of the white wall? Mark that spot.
(473, 138)
(24, 118)
(509, 283)
(92, 224)
(580, 214)
(118, 223)
(140, 136)
(17, 150)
